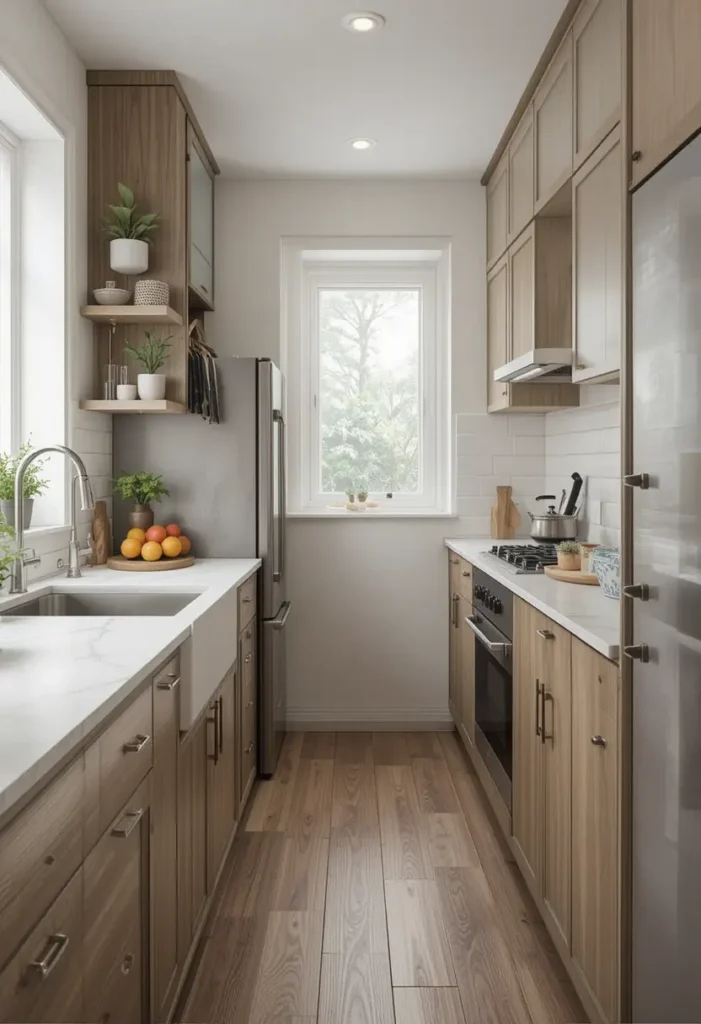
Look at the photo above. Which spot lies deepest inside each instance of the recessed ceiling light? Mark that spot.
(363, 143)
(363, 21)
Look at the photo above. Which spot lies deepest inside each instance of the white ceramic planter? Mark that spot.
(126, 392)
(128, 256)
(151, 386)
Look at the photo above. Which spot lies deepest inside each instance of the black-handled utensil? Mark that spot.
(574, 494)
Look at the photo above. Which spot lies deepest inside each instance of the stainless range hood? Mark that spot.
(546, 365)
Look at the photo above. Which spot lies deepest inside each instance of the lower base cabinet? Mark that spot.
(221, 775)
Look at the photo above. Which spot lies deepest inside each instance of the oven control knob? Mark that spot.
(496, 605)
(489, 601)
(479, 593)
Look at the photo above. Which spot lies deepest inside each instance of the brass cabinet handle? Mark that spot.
(215, 722)
(126, 826)
(127, 963)
(636, 156)
(248, 659)
(57, 946)
(247, 599)
(137, 744)
(538, 729)
(249, 748)
(545, 634)
(454, 561)
(546, 696)
(465, 572)
(599, 741)
(221, 723)
(170, 683)
(456, 602)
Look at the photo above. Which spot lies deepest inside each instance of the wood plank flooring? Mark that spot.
(370, 885)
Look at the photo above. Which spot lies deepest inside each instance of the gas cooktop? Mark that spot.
(524, 559)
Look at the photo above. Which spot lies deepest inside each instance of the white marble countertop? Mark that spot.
(61, 677)
(583, 611)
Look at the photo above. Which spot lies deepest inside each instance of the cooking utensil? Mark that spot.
(574, 494)
(551, 526)
(504, 519)
(562, 501)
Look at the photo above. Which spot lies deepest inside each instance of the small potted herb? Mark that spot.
(568, 556)
(34, 485)
(362, 495)
(7, 551)
(152, 355)
(142, 489)
(129, 233)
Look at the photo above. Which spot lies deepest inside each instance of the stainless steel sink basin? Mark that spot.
(84, 603)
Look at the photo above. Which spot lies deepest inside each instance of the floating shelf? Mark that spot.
(162, 405)
(131, 315)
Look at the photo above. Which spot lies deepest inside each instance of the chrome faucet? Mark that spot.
(18, 582)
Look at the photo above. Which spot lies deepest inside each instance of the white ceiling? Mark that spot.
(280, 87)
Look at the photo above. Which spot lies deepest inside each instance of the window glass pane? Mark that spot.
(369, 387)
(5, 299)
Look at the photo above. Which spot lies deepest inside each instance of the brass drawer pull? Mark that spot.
(538, 729)
(249, 748)
(170, 683)
(127, 963)
(465, 572)
(454, 561)
(546, 697)
(221, 723)
(54, 951)
(599, 741)
(137, 744)
(247, 599)
(215, 722)
(128, 823)
(248, 659)
(545, 634)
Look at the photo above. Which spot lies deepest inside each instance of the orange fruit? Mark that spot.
(151, 550)
(173, 530)
(137, 534)
(156, 533)
(171, 547)
(185, 544)
(131, 547)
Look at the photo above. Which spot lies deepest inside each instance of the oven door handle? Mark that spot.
(496, 647)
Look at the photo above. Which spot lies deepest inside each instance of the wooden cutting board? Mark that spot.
(568, 576)
(505, 518)
(123, 564)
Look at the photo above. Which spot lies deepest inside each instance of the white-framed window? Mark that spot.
(366, 355)
(9, 291)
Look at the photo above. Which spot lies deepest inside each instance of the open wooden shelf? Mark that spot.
(131, 315)
(161, 405)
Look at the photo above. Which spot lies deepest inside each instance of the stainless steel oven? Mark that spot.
(492, 624)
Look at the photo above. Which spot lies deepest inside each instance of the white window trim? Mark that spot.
(10, 301)
(307, 266)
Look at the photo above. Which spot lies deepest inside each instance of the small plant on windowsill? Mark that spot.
(568, 556)
(142, 489)
(7, 551)
(34, 485)
(129, 233)
(152, 356)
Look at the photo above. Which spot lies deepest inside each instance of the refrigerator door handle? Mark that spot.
(279, 622)
(279, 572)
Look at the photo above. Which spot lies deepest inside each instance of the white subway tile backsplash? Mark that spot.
(523, 465)
(475, 506)
(474, 465)
(482, 425)
(529, 445)
(525, 425)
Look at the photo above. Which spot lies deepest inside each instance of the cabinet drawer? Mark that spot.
(44, 980)
(465, 580)
(201, 275)
(39, 851)
(126, 755)
(247, 602)
(115, 905)
(249, 746)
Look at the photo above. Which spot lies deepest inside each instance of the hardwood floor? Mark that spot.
(370, 885)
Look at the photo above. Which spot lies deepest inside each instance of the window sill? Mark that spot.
(344, 514)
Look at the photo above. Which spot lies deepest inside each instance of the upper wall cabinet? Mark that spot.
(597, 205)
(201, 224)
(666, 80)
(497, 332)
(498, 212)
(598, 73)
(552, 112)
(521, 176)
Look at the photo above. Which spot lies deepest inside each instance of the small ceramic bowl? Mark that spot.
(111, 296)
(126, 392)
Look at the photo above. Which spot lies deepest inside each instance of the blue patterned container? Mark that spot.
(606, 565)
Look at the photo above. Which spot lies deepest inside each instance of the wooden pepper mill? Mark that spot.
(101, 536)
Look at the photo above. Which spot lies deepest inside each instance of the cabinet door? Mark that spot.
(498, 212)
(666, 80)
(497, 332)
(553, 666)
(454, 642)
(221, 776)
(467, 673)
(522, 294)
(201, 223)
(595, 903)
(248, 697)
(552, 111)
(598, 73)
(116, 916)
(201, 741)
(521, 160)
(526, 810)
(164, 938)
(597, 197)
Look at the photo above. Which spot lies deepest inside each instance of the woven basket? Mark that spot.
(151, 293)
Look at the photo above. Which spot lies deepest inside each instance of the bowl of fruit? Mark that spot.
(158, 548)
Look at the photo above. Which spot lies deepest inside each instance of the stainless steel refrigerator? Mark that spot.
(227, 487)
(666, 685)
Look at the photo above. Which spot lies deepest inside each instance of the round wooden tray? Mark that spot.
(123, 564)
(567, 576)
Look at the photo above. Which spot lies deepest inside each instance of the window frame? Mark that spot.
(10, 294)
(307, 272)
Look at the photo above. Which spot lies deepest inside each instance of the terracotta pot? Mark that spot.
(570, 563)
(141, 517)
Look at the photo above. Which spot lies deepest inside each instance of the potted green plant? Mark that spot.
(129, 233)
(568, 556)
(152, 355)
(142, 489)
(34, 485)
(7, 551)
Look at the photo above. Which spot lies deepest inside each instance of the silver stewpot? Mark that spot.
(553, 526)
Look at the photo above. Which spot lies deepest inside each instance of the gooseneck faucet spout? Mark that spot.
(18, 583)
